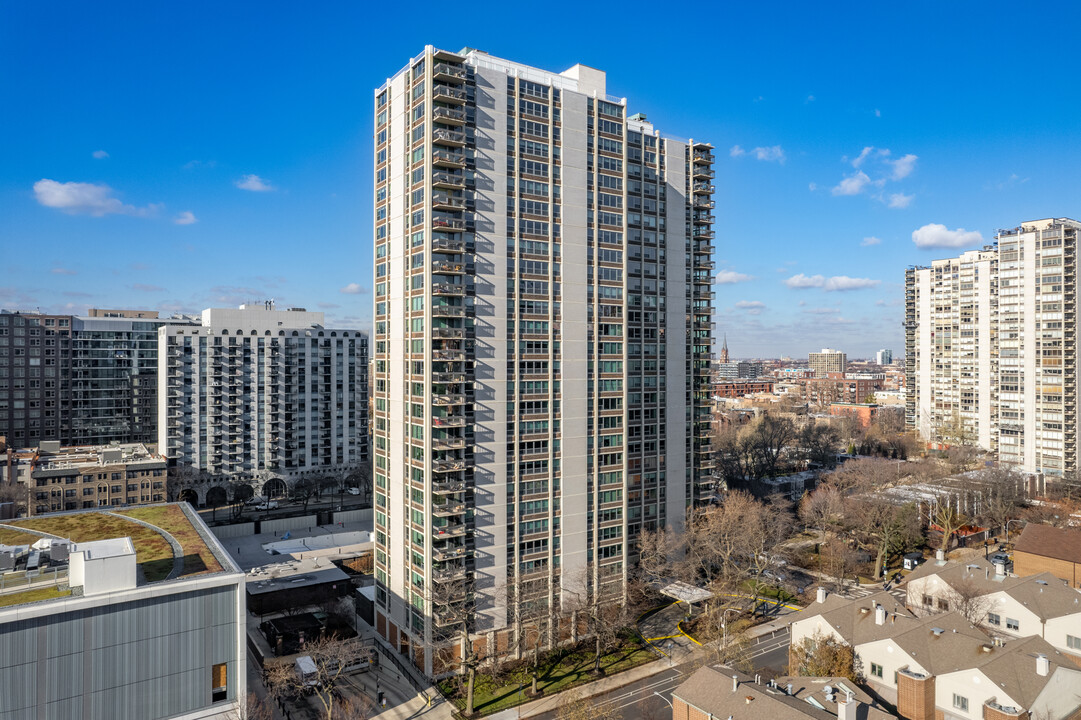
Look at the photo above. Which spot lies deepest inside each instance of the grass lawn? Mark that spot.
(560, 671)
(170, 518)
(152, 551)
(14, 537)
(771, 592)
(29, 596)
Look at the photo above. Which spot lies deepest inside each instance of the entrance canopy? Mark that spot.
(686, 593)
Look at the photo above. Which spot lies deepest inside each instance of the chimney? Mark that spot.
(846, 708)
(880, 615)
(940, 555)
(821, 595)
(788, 688)
(1043, 665)
(1000, 569)
(735, 683)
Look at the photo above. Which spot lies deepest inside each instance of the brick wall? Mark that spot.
(683, 711)
(990, 713)
(915, 697)
(1025, 563)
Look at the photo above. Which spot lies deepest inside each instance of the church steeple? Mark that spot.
(724, 349)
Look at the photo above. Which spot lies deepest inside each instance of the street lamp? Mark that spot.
(662, 697)
(1008, 527)
(724, 625)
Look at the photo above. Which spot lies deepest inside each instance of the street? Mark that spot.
(640, 699)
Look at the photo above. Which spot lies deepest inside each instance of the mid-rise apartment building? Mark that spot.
(263, 395)
(884, 357)
(827, 361)
(991, 347)
(80, 380)
(542, 347)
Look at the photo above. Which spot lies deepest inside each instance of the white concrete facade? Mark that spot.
(258, 394)
(991, 337)
(541, 345)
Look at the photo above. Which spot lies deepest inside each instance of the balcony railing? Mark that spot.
(448, 488)
(446, 179)
(450, 116)
(448, 73)
(700, 188)
(448, 224)
(447, 158)
(443, 201)
(448, 137)
(449, 268)
(448, 311)
(453, 95)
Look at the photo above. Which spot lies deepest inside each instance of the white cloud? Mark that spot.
(903, 166)
(863, 156)
(853, 184)
(100, 154)
(868, 241)
(254, 183)
(186, 218)
(934, 235)
(837, 283)
(812, 186)
(822, 311)
(730, 277)
(774, 153)
(63, 271)
(77, 198)
(354, 289)
(810, 98)
(842, 283)
(801, 281)
(142, 287)
(753, 307)
(900, 201)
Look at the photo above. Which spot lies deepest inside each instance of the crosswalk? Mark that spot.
(862, 592)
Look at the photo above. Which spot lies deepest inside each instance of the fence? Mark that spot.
(223, 532)
(22, 581)
(363, 515)
(292, 523)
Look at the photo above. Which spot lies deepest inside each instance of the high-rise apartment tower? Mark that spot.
(543, 330)
(991, 347)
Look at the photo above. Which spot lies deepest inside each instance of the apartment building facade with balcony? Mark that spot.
(541, 348)
(263, 395)
(991, 347)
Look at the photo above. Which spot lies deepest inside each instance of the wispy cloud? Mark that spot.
(810, 99)
(903, 166)
(254, 183)
(837, 283)
(354, 289)
(869, 241)
(186, 218)
(822, 311)
(142, 287)
(934, 235)
(328, 306)
(100, 155)
(752, 307)
(731, 277)
(773, 153)
(899, 201)
(63, 271)
(852, 184)
(76, 198)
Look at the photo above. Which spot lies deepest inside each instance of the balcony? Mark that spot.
(451, 553)
(448, 159)
(451, 247)
(450, 444)
(447, 180)
(448, 289)
(448, 224)
(458, 572)
(449, 268)
(703, 248)
(452, 138)
(448, 73)
(448, 488)
(702, 188)
(449, 421)
(448, 334)
(701, 203)
(447, 94)
(702, 232)
(704, 325)
(448, 509)
(449, 116)
(452, 399)
(700, 172)
(443, 201)
(700, 264)
(704, 219)
(452, 311)
(451, 465)
(703, 157)
(449, 531)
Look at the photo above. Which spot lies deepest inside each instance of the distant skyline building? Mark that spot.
(991, 350)
(884, 357)
(543, 335)
(263, 396)
(827, 361)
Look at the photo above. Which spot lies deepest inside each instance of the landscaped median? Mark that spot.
(560, 669)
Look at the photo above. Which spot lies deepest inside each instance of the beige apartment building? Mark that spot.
(991, 347)
(827, 361)
(543, 270)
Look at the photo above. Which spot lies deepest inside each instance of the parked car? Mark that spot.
(353, 491)
(267, 505)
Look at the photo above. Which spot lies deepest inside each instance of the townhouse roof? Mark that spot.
(855, 620)
(1052, 542)
(1014, 669)
(710, 689)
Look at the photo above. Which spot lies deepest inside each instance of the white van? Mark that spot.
(307, 672)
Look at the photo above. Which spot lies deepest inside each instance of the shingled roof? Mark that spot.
(1052, 542)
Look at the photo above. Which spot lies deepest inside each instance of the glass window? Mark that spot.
(960, 702)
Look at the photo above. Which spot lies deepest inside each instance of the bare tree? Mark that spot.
(949, 520)
(253, 709)
(330, 657)
(305, 489)
(967, 598)
(824, 656)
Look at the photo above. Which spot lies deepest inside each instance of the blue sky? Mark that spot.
(179, 156)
